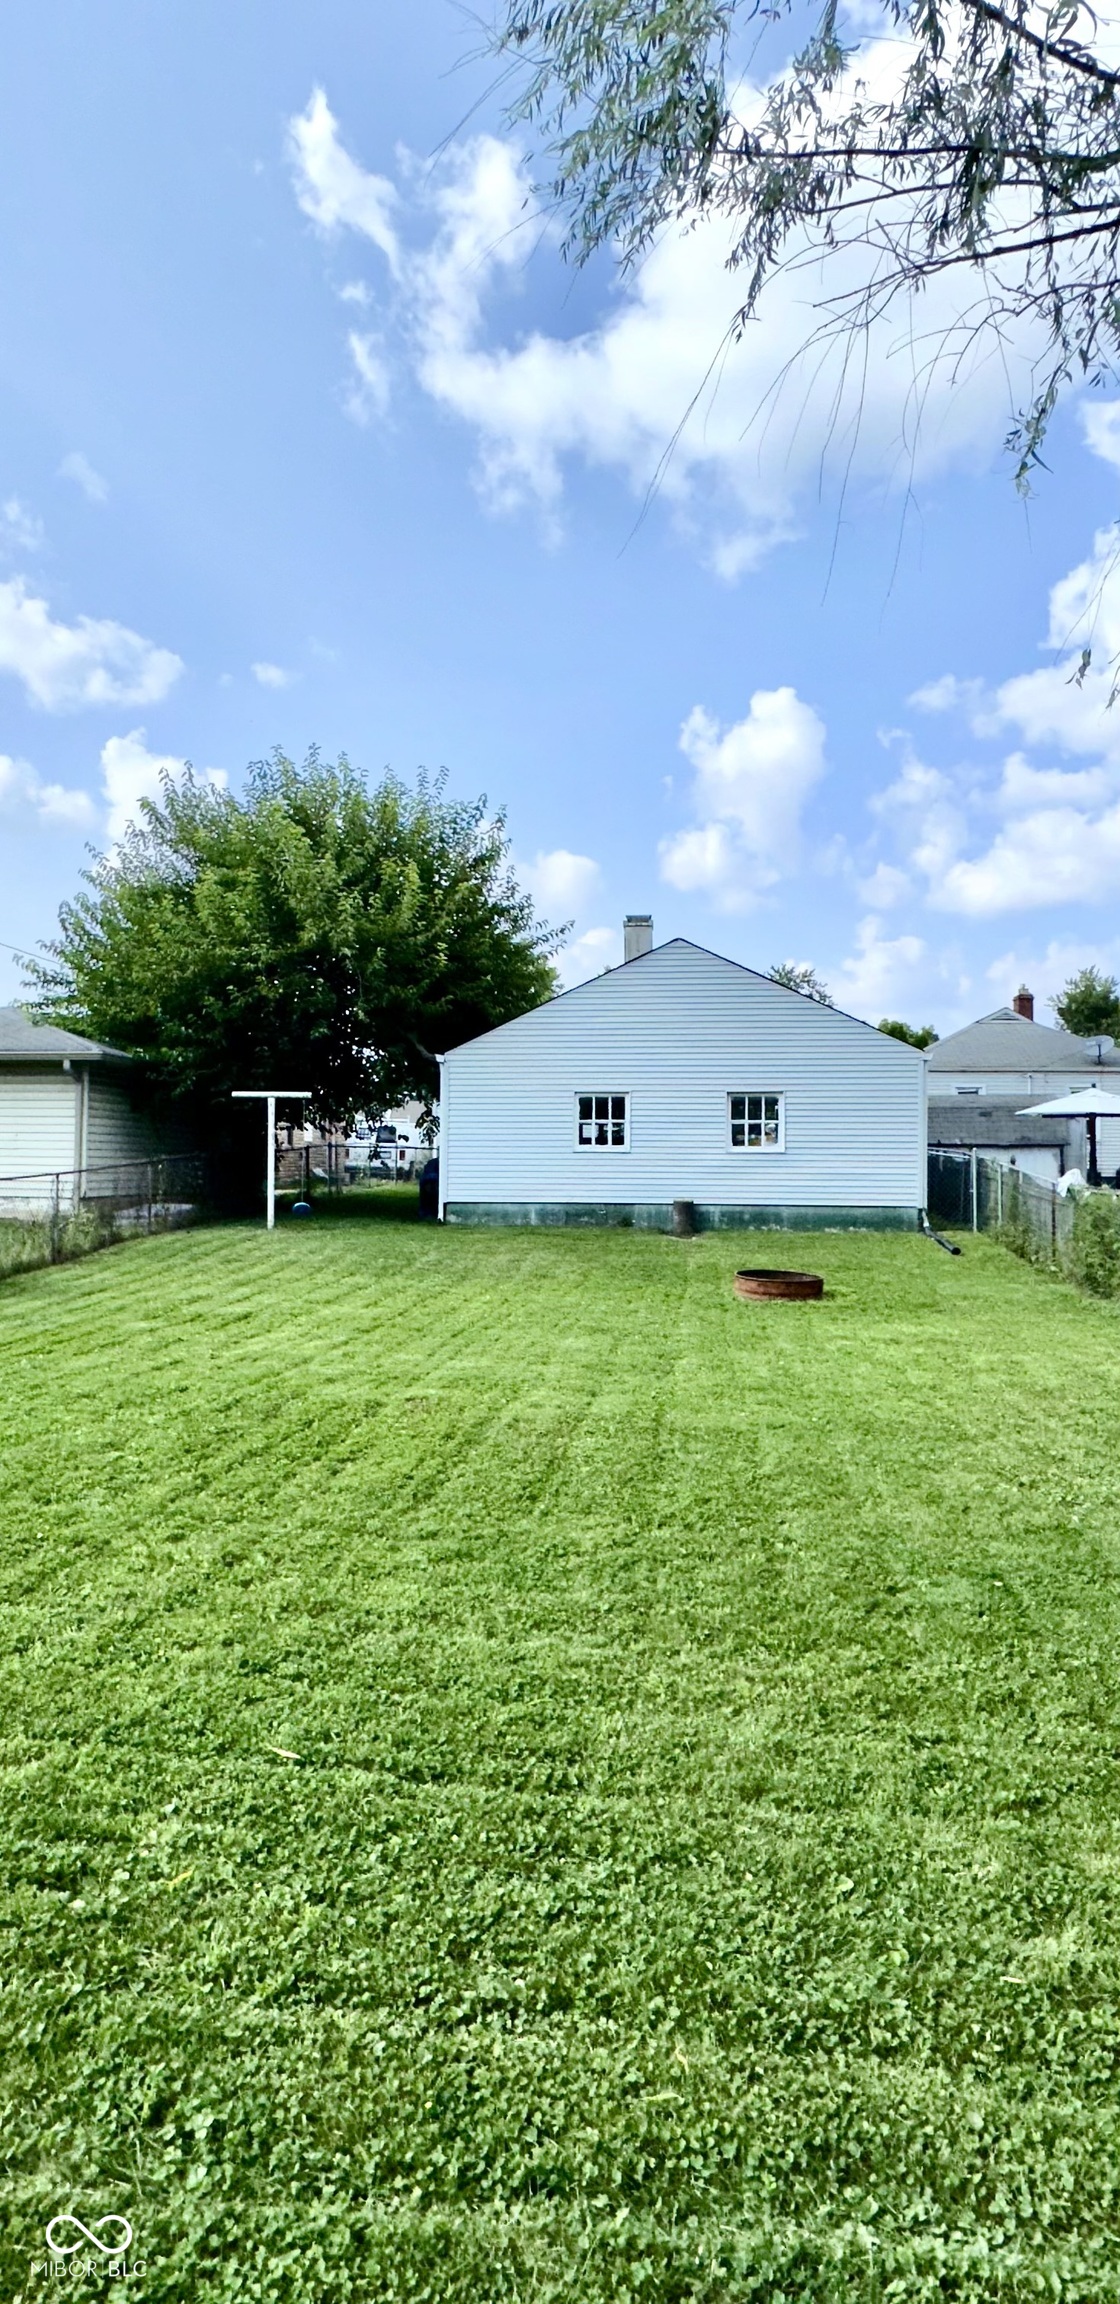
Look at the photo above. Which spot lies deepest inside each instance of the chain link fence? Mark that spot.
(49, 1217)
(343, 1167)
(968, 1192)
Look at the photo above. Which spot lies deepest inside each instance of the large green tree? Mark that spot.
(313, 932)
(801, 976)
(915, 1035)
(1089, 1003)
(990, 147)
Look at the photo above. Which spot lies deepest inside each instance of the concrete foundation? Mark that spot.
(655, 1216)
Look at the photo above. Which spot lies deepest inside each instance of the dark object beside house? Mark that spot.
(429, 1189)
(993, 1124)
(779, 1287)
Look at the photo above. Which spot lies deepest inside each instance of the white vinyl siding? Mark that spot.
(114, 1132)
(681, 1027)
(38, 1119)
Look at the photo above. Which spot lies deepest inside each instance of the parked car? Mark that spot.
(429, 1188)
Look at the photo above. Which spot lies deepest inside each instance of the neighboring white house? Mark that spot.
(981, 1077)
(64, 1106)
(682, 1076)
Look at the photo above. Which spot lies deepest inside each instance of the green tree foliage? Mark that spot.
(1089, 1003)
(995, 150)
(1094, 1256)
(798, 976)
(917, 1035)
(314, 933)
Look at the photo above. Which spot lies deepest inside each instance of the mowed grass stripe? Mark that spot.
(699, 1874)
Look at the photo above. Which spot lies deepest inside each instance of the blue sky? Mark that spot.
(307, 434)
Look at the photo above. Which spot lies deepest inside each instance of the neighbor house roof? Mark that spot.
(1006, 1042)
(958, 1123)
(24, 1041)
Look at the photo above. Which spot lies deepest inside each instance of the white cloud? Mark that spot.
(588, 955)
(20, 531)
(927, 815)
(883, 974)
(885, 887)
(1046, 971)
(270, 675)
(622, 395)
(703, 858)
(331, 187)
(1058, 842)
(758, 773)
(130, 773)
(355, 292)
(659, 391)
(561, 882)
(1022, 786)
(1051, 856)
(78, 468)
(562, 885)
(54, 804)
(750, 786)
(1052, 705)
(66, 666)
(370, 388)
(1100, 422)
(1057, 826)
(947, 694)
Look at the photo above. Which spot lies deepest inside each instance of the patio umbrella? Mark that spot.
(1088, 1104)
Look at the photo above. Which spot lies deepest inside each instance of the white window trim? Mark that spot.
(751, 1150)
(598, 1150)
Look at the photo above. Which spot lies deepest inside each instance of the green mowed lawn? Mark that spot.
(698, 1872)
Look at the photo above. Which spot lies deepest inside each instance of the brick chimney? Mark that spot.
(1023, 1003)
(637, 935)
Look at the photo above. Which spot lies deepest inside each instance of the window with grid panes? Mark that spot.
(757, 1122)
(603, 1122)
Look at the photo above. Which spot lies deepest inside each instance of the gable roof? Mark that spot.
(1007, 1042)
(25, 1041)
(681, 947)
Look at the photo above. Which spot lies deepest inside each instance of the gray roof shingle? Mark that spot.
(25, 1041)
(1005, 1042)
(957, 1123)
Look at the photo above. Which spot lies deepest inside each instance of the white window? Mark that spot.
(603, 1121)
(757, 1122)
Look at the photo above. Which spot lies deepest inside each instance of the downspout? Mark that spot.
(83, 1136)
(80, 1078)
(444, 1135)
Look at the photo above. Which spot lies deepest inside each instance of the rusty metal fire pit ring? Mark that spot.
(779, 1287)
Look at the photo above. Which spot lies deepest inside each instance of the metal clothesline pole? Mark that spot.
(272, 1097)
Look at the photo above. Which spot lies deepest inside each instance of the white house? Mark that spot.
(682, 1076)
(65, 1106)
(982, 1077)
